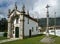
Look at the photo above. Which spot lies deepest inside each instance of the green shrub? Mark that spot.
(5, 34)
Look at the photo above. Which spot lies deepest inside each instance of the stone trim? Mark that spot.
(24, 15)
(23, 27)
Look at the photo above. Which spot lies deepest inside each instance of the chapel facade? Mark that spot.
(20, 24)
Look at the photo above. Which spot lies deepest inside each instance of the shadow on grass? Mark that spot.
(53, 36)
(26, 37)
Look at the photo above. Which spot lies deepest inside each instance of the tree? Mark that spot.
(3, 24)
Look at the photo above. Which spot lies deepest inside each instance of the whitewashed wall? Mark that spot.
(29, 26)
(57, 32)
(52, 32)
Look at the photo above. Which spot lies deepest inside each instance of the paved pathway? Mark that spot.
(7, 40)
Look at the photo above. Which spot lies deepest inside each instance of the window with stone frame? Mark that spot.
(17, 20)
(32, 29)
(36, 28)
(28, 20)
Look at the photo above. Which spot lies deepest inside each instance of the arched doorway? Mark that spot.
(17, 32)
(30, 33)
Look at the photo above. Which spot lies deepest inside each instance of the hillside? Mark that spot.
(42, 21)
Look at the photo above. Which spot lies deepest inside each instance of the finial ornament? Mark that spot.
(23, 8)
(47, 6)
(47, 10)
(9, 11)
(15, 6)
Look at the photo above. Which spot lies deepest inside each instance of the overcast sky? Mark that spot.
(37, 8)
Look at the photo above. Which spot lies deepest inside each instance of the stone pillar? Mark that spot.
(21, 35)
(9, 28)
(14, 33)
(22, 22)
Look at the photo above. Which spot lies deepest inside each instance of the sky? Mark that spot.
(36, 8)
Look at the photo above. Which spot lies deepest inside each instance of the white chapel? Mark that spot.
(20, 24)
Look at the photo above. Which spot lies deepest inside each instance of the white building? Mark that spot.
(20, 24)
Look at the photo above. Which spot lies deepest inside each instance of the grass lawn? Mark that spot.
(33, 40)
(2, 38)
